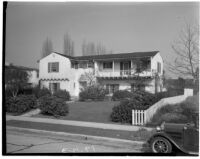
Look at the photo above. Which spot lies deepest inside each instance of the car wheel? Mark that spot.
(161, 145)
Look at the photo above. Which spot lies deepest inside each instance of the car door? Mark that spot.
(191, 138)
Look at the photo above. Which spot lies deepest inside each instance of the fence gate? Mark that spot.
(138, 117)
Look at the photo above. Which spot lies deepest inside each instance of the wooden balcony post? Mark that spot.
(113, 67)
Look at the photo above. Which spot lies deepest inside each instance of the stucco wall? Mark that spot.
(154, 60)
(65, 72)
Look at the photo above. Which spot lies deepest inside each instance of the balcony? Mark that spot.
(122, 74)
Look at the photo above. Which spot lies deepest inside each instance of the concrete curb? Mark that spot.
(78, 137)
(78, 123)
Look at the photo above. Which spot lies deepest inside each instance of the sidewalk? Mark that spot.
(78, 123)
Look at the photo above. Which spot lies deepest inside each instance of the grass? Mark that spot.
(98, 111)
(140, 135)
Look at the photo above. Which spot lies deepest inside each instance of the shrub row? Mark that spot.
(49, 104)
(121, 94)
(94, 92)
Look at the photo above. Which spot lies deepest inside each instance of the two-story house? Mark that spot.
(125, 71)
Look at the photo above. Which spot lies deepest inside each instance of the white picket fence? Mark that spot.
(138, 117)
(141, 117)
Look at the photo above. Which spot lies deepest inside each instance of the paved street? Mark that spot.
(31, 142)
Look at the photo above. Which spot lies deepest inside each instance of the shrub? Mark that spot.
(94, 92)
(20, 104)
(172, 118)
(182, 112)
(51, 105)
(121, 94)
(62, 94)
(40, 92)
(139, 100)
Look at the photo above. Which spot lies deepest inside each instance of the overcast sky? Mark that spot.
(121, 27)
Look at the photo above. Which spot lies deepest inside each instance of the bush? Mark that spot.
(40, 92)
(95, 92)
(20, 104)
(121, 94)
(51, 105)
(62, 94)
(123, 112)
(172, 118)
(182, 112)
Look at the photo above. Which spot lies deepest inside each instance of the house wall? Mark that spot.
(154, 60)
(126, 85)
(70, 75)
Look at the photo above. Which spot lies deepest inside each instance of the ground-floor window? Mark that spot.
(111, 88)
(53, 87)
(135, 87)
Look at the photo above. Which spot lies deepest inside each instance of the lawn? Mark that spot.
(89, 111)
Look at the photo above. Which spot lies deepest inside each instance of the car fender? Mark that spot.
(166, 136)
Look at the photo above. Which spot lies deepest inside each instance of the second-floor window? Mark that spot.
(107, 65)
(53, 67)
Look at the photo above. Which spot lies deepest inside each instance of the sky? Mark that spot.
(120, 27)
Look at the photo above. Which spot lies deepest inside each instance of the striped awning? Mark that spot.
(54, 79)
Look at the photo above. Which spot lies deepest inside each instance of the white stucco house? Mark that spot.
(113, 71)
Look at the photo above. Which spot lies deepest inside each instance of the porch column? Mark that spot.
(131, 66)
(113, 67)
(95, 68)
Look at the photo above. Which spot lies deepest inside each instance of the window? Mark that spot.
(135, 87)
(111, 88)
(53, 67)
(53, 87)
(90, 64)
(158, 67)
(107, 65)
(82, 65)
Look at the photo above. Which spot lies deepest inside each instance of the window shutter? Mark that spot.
(58, 86)
(49, 67)
(58, 67)
(50, 86)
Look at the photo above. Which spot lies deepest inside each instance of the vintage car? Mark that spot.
(170, 136)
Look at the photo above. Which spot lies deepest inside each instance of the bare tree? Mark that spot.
(47, 47)
(100, 49)
(187, 50)
(68, 45)
(89, 77)
(90, 48)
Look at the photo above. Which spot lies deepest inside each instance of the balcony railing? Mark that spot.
(122, 73)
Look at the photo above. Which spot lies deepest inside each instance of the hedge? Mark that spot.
(62, 94)
(95, 92)
(121, 94)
